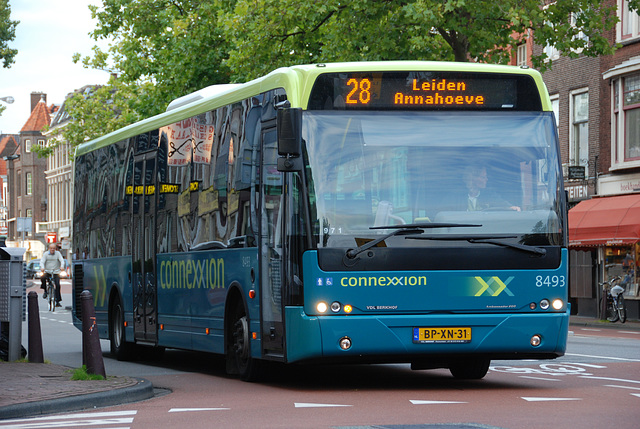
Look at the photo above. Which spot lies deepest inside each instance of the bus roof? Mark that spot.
(297, 81)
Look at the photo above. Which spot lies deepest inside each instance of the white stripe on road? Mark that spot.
(610, 379)
(182, 410)
(74, 416)
(602, 357)
(540, 378)
(536, 399)
(622, 387)
(417, 402)
(311, 405)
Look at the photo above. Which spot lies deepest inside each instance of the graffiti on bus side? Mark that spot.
(192, 274)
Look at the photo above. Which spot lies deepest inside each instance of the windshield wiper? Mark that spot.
(497, 240)
(404, 229)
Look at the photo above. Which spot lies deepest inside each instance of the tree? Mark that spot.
(163, 49)
(98, 111)
(269, 33)
(7, 34)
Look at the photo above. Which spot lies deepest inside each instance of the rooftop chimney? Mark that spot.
(35, 99)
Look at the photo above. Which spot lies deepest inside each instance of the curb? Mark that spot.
(141, 391)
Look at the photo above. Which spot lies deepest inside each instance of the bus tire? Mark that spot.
(239, 360)
(470, 369)
(120, 348)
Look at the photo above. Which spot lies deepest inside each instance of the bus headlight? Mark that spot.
(321, 307)
(544, 304)
(557, 304)
(335, 306)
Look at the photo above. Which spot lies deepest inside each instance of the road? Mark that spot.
(596, 384)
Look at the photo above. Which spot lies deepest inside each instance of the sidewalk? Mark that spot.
(30, 389)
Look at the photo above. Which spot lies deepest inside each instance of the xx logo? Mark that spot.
(487, 287)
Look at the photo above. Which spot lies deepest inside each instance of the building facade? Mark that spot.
(597, 103)
(27, 202)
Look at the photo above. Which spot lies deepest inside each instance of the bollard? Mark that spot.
(91, 351)
(35, 334)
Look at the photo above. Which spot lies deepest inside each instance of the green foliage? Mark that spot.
(7, 34)
(82, 374)
(101, 111)
(163, 49)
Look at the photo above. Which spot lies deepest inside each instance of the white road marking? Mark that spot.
(602, 357)
(622, 387)
(182, 410)
(610, 379)
(74, 416)
(311, 405)
(590, 329)
(418, 402)
(71, 423)
(630, 332)
(540, 378)
(636, 394)
(537, 399)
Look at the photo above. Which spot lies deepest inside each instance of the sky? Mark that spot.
(48, 35)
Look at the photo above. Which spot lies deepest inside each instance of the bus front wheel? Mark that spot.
(239, 360)
(470, 369)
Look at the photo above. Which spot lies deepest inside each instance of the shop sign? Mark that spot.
(578, 192)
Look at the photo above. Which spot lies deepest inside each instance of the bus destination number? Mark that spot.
(550, 281)
(361, 91)
(442, 335)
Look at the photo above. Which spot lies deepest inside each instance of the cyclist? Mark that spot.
(51, 264)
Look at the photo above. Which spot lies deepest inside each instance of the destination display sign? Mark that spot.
(424, 90)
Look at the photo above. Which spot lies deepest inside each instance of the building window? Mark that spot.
(521, 59)
(579, 132)
(29, 184)
(626, 119)
(27, 145)
(555, 106)
(627, 27)
(41, 142)
(29, 212)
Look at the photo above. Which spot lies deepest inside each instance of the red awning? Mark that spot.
(606, 221)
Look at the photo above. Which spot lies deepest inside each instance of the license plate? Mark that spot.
(442, 335)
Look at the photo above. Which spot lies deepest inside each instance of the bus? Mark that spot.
(369, 212)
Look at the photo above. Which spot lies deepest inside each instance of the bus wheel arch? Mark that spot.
(238, 337)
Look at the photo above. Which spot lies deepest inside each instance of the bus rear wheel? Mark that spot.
(239, 360)
(120, 348)
(470, 369)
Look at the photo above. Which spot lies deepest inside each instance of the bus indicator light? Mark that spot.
(348, 308)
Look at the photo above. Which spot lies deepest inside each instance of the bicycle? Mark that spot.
(50, 289)
(614, 307)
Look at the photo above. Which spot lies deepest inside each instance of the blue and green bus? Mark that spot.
(353, 212)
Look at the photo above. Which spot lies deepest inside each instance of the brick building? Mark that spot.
(27, 202)
(597, 104)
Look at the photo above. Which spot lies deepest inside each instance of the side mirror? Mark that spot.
(289, 131)
(289, 126)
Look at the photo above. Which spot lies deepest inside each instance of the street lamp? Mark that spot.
(8, 99)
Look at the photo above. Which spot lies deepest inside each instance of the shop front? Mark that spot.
(608, 228)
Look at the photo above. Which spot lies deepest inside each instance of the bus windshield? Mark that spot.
(496, 170)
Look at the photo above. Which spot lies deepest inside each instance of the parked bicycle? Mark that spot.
(613, 294)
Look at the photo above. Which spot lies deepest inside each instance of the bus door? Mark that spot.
(145, 299)
(271, 247)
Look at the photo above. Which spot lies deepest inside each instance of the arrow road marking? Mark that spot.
(418, 402)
